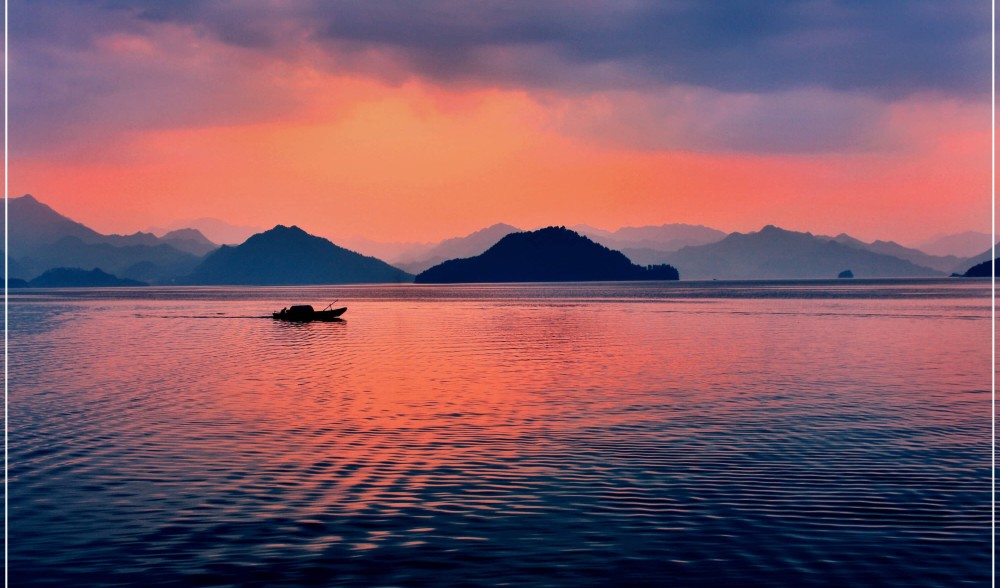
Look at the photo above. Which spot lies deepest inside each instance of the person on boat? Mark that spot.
(284, 311)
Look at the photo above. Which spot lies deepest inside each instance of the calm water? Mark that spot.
(717, 434)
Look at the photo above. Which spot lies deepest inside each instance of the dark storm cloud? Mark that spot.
(81, 73)
(768, 76)
(891, 47)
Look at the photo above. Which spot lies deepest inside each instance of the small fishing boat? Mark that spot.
(305, 313)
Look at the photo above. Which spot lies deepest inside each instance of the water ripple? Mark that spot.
(555, 435)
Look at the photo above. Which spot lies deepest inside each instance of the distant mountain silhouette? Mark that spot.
(846, 274)
(591, 232)
(391, 252)
(41, 238)
(33, 224)
(215, 230)
(967, 244)
(774, 253)
(138, 238)
(982, 270)
(975, 260)
(187, 240)
(936, 262)
(190, 240)
(457, 247)
(289, 256)
(74, 277)
(641, 244)
(156, 262)
(553, 254)
(15, 269)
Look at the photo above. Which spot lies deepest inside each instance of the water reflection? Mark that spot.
(555, 435)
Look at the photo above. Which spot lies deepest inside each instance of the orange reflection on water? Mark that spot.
(573, 430)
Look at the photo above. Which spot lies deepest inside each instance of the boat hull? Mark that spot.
(306, 317)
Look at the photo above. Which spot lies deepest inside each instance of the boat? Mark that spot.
(304, 313)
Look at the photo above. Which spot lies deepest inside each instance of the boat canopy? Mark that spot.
(304, 308)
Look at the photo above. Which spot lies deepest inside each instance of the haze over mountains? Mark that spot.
(984, 256)
(388, 251)
(455, 248)
(218, 231)
(774, 253)
(638, 243)
(33, 224)
(41, 239)
(947, 263)
(646, 245)
(967, 244)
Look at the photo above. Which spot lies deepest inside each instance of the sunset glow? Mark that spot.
(570, 293)
(143, 117)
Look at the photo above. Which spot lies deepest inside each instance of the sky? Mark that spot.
(423, 120)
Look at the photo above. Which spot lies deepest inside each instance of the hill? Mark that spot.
(33, 224)
(74, 277)
(289, 256)
(774, 253)
(553, 254)
(981, 270)
(457, 247)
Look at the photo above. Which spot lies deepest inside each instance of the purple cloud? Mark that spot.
(783, 75)
(889, 48)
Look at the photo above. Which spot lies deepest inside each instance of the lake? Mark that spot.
(641, 434)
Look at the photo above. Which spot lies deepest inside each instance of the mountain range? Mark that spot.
(42, 239)
(34, 224)
(147, 263)
(774, 253)
(941, 263)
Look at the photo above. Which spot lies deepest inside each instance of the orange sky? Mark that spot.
(288, 140)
